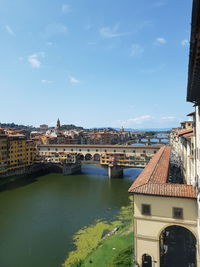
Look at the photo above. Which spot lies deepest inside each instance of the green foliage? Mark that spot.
(78, 263)
(150, 133)
(71, 127)
(86, 240)
(123, 258)
(91, 248)
(17, 126)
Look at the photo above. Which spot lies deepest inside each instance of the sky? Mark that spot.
(95, 63)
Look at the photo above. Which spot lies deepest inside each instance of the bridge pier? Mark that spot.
(68, 169)
(115, 172)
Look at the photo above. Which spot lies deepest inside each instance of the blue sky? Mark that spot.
(95, 63)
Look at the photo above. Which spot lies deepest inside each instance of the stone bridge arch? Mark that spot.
(96, 157)
(81, 156)
(88, 157)
(177, 246)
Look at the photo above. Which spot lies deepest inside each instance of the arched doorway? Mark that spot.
(96, 157)
(80, 157)
(146, 260)
(177, 247)
(88, 157)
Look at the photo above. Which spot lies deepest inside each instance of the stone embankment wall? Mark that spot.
(43, 168)
(40, 167)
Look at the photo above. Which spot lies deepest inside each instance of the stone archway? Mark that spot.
(88, 157)
(80, 156)
(96, 157)
(146, 260)
(177, 247)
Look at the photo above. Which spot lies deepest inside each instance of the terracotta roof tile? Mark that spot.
(182, 132)
(188, 135)
(153, 179)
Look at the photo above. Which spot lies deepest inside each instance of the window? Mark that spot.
(146, 209)
(144, 151)
(88, 150)
(79, 149)
(114, 150)
(105, 150)
(133, 151)
(72, 149)
(154, 152)
(177, 213)
(124, 151)
(97, 150)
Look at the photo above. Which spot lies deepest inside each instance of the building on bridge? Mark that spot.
(125, 156)
(93, 152)
(124, 160)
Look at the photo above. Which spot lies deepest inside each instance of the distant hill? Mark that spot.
(17, 126)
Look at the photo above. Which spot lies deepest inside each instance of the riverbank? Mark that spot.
(105, 243)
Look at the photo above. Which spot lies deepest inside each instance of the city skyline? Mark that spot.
(95, 67)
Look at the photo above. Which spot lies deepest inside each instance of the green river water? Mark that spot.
(39, 218)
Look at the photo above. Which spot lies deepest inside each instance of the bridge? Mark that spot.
(124, 155)
(150, 140)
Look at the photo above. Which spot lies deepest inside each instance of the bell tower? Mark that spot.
(58, 124)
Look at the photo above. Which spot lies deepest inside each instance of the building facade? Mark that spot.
(166, 208)
(16, 153)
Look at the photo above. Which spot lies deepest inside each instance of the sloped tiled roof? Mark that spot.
(153, 179)
(188, 135)
(186, 131)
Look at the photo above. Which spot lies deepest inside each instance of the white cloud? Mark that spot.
(160, 41)
(136, 50)
(66, 9)
(46, 81)
(49, 43)
(9, 30)
(73, 80)
(34, 59)
(169, 118)
(108, 32)
(185, 42)
(136, 121)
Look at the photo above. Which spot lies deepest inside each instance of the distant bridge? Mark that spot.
(150, 140)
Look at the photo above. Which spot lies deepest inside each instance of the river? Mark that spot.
(38, 218)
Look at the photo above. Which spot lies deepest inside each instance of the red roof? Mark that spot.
(188, 135)
(153, 179)
(186, 131)
(16, 135)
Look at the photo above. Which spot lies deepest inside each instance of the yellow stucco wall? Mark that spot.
(162, 206)
(148, 228)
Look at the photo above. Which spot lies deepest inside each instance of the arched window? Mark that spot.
(146, 260)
